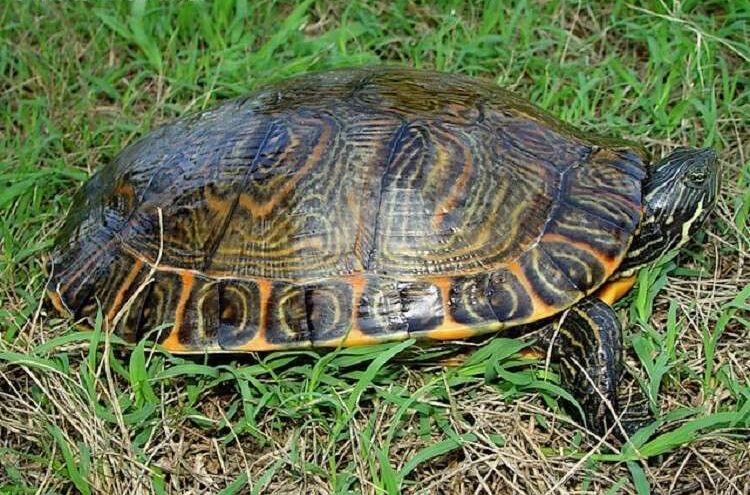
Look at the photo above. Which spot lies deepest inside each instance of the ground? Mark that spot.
(81, 412)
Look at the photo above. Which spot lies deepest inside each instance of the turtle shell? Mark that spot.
(348, 207)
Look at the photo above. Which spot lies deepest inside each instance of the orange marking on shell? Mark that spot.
(444, 285)
(215, 203)
(358, 282)
(132, 274)
(172, 342)
(610, 264)
(453, 331)
(127, 191)
(54, 296)
(259, 342)
(264, 290)
(531, 353)
(260, 210)
(540, 309)
(613, 291)
(450, 329)
(355, 336)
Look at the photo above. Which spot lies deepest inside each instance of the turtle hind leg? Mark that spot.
(635, 412)
(588, 345)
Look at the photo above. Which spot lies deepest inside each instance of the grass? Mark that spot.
(85, 413)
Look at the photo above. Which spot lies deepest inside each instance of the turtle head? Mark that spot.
(679, 194)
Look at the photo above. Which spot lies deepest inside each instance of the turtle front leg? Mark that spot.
(588, 345)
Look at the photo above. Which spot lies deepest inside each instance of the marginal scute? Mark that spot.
(468, 301)
(422, 305)
(129, 327)
(190, 303)
(380, 311)
(159, 312)
(78, 272)
(200, 319)
(287, 323)
(579, 265)
(239, 317)
(508, 297)
(108, 280)
(329, 309)
(547, 280)
(124, 297)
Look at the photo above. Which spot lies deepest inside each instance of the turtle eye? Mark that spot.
(697, 177)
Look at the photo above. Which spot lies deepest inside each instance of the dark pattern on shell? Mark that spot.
(380, 312)
(580, 225)
(468, 300)
(329, 310)
(528, 140)
(422, 306)
(287, 316)
(159, 313)
(458, 100)
(509, 300)
(239, 318)
(578, 264)
(450, 205)
(391, 175)
(199, 321)
(548, 280)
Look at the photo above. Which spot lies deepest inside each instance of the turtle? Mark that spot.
(365, 205)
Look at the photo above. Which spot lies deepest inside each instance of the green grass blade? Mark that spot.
(435, 450)
(74, 473)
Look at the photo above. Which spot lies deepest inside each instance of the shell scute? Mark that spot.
(509, 299)
(350, 207)
(547, 280)
(239, 313)
(578, 263)
(329, 307)
(533, 140)
(379, 309)
(469, 301)
(607, 239)
(286, 321)
(422, 305)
